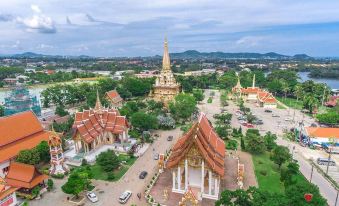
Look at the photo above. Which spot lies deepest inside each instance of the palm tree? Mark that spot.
(298, 91)
(284, 87)
(310, 103)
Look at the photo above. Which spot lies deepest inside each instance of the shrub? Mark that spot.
(58, 176)
(209, 100)
(108, 160)
(263, 172)
(36, 191)
(50, 184)
(110, 176)
(232, 145)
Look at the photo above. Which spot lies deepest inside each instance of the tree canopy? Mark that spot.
(183, 106)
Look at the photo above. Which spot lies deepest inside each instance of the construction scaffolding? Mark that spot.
(20, 100)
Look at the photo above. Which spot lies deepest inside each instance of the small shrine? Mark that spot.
(58, 165)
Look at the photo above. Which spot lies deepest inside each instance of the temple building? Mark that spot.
(253, 94)
(97, 127)
(165, 87)
(18, 132)
(197, 161)
(20, 100)
(114, 99)
(250, 93)
(57, 162)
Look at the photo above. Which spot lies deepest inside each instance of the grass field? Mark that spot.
(267, 173)
(290, 102)
(100, 174)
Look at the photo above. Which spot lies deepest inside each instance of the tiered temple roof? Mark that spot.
(90, 124)
(210, 145)
(18, 132)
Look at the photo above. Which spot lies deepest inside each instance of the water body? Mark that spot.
(332, 83)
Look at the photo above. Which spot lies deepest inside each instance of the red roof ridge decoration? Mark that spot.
(210, 145)
(90, 123)
(23, 175)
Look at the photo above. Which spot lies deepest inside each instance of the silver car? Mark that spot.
(125, 196)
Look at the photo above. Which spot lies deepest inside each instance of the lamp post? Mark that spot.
(336, 199)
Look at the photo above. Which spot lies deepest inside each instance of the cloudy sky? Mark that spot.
(138, 27)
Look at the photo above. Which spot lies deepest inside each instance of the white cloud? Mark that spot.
(38, 22)
(249, 41)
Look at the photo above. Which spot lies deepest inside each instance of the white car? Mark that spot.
(125, 196)
(92, 197)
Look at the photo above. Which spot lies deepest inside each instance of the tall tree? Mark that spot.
(144, 121)
(280, 155)
(183, 106)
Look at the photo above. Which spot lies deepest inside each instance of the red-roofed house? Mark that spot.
(97, 127)
(19, 132)
(114, 99)
(24, 177)
(198, 160)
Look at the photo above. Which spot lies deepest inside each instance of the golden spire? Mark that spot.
(253, 83)
(238, 83)
(166, 63)
(98, 106)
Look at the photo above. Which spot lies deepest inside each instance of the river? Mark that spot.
(332, 83)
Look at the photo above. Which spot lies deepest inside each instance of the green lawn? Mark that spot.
(267, 173)
(290, 102)
(99, 174)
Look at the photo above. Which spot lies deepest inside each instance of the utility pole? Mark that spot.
(329, 158)
(311, 173)
(336, 199)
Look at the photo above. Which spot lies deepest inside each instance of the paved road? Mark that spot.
(130, 181)
(277, 125)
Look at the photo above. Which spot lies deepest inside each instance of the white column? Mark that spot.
(173, 179)
(209, 182)
(186, 174)
(215, 186)
(202, 176)
(179, 177)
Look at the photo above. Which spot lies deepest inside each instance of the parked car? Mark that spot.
(125, 196)
(242, 122)
(248, 125)
(92, 197)
(156, 156)
(143, 174)
(258, 122)
(170, 138)
(275, 115)
(288, 119)
(268, 111)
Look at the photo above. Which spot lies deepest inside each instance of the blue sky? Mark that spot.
(138, 27)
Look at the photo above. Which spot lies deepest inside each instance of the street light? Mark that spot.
(329, 158)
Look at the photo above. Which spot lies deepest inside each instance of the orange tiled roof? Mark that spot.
(250, 90)
(114, 96)
(18, 126)
(24, 176)
(324, 132)
(211, 146)
(266, 97)
(89, 124)
(11, 150)
(7, 192)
